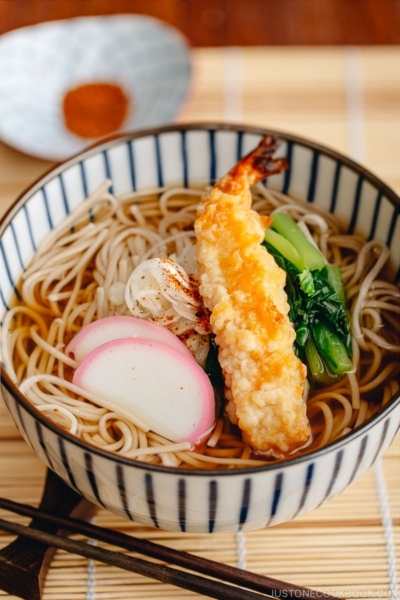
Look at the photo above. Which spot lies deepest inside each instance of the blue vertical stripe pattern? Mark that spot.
(66, 465)
(151, 503)
(8, 270)
(276, 497)
(21, 262)
(393, 222)
(108, 170)
(122, 492)
(335, 473)
(43, 445)
(356, 205)
(64, 194)
(382, 440)
(313, 177)
(182, 504)
(213, 157)
(306, 489)
(246, 496)
(378, 203)
(84, 179)
(4, 302)
(360, 456)
(212, 505)
(85, 186)
(132, 165)
(287, 173)
(158, 161)
(92, 478)
(29, 224)
(335, 187)
(185, 165)
(20, 420)
(47, 208)
(239, 146)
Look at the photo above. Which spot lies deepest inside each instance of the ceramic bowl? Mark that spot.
(185, 500)
(145, 57)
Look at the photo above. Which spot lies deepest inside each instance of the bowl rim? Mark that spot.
(116, 139)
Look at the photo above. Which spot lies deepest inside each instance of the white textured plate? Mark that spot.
(38, 64)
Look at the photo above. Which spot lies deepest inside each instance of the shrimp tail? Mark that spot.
(260, 163)
(256, 166)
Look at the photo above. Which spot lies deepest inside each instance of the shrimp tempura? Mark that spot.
(243, 288)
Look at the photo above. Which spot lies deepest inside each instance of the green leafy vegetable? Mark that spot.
(315, 363)
(307, 282)
(335, 279)
(289, 229)
(331, 348)
(317, 305)
(285, 248)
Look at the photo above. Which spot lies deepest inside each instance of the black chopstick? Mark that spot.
(226, 573)
(188, 581)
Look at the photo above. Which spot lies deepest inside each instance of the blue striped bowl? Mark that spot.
(184, 500)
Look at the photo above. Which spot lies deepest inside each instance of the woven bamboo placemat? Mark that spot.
(346, 98)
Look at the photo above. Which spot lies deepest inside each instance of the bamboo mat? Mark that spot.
(346, 98)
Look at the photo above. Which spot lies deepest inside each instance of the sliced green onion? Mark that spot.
(285, 225)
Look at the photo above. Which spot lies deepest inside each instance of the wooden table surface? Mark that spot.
(346, 98)
(235, 22)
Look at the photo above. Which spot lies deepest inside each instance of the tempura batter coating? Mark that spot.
(243, 288)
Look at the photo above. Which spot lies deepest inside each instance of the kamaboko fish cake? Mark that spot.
(243, 288)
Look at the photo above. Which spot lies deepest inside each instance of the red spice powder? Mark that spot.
(95, 109)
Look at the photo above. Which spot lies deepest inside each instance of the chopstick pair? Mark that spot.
(251, 585)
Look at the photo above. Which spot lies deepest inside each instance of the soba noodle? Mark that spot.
(79, 274)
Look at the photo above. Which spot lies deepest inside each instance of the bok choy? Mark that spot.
(316, 299)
